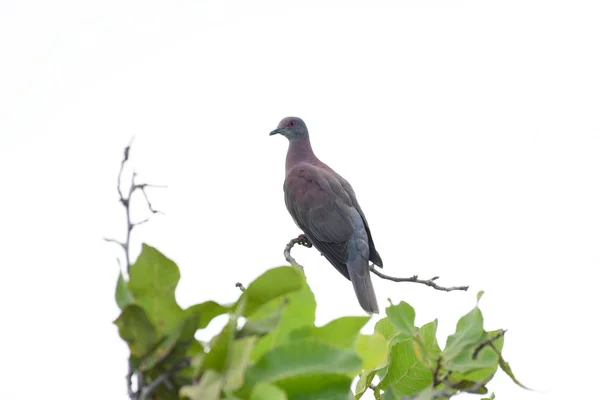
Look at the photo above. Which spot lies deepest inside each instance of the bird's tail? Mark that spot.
(363, 287)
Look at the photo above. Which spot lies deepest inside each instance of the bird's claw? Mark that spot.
(303, 240)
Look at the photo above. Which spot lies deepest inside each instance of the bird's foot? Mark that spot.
(303, 240)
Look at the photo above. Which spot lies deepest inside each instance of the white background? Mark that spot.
(470, 131)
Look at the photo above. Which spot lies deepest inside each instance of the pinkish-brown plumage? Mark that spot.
(324, 206)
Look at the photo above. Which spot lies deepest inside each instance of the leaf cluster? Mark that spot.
(270, 347)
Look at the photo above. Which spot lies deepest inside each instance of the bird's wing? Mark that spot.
(321, 208)
(373, 254)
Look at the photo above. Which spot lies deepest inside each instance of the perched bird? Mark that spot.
(324, 207)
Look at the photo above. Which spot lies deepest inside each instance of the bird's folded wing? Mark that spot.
(321, 212)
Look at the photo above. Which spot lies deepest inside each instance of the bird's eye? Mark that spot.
(292, 123)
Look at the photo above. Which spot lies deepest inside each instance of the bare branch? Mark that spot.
(125, 200)
(415, 279)
(303, 240)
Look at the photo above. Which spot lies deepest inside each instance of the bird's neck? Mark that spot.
(299, 150)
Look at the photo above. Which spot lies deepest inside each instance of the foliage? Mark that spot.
(270, 347)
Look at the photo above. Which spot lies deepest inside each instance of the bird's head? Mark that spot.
(292, 128)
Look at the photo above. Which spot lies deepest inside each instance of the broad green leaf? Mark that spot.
(122, 294)
(240, 357)
(180, 340)
(209, 387)
(406, 374)
(261, 325)
(342, 332)
(385, 328)
(321, 386)
(428, 348)
(217, 356)
(266, 391)
(153, 278)
(272, 284)
(303, 357)
(208, 311)
(402, 317)
(469, 330)
(136, 329)
(373, 350)
(298, 311)
(482, 368)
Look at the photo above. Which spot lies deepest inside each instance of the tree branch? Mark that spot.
(125, 200)
(415, 279)
(303, 240)
(148, 389)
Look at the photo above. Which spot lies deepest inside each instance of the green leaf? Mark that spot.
(180, 339)
(215, 359)
(136, 329)
(467, 371)
(406, 374)
(506, 368)
(364, 380)
(209, 387)
(492, 397)
(153, 279)
(122, 294)
(299, 310)
(402, 317)
(385, 328)
(469, 330)
(261, 325)
(429, 349)
(208, 311)
(266, 391)
(317, 386)
(272, 284)
(303, 357)
(342, 332)
(373, 350)
(479, 294)
(240, 358)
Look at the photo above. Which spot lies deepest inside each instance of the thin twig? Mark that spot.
(303, 240)
(415, 279)
(488, 342)
(130, 391)
(148, 389)
(125, 200)
(240, 286)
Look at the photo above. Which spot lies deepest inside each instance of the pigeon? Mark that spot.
(324, 206)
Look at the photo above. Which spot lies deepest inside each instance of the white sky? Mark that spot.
(470, 131)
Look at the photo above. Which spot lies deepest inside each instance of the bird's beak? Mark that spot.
(275, 132)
